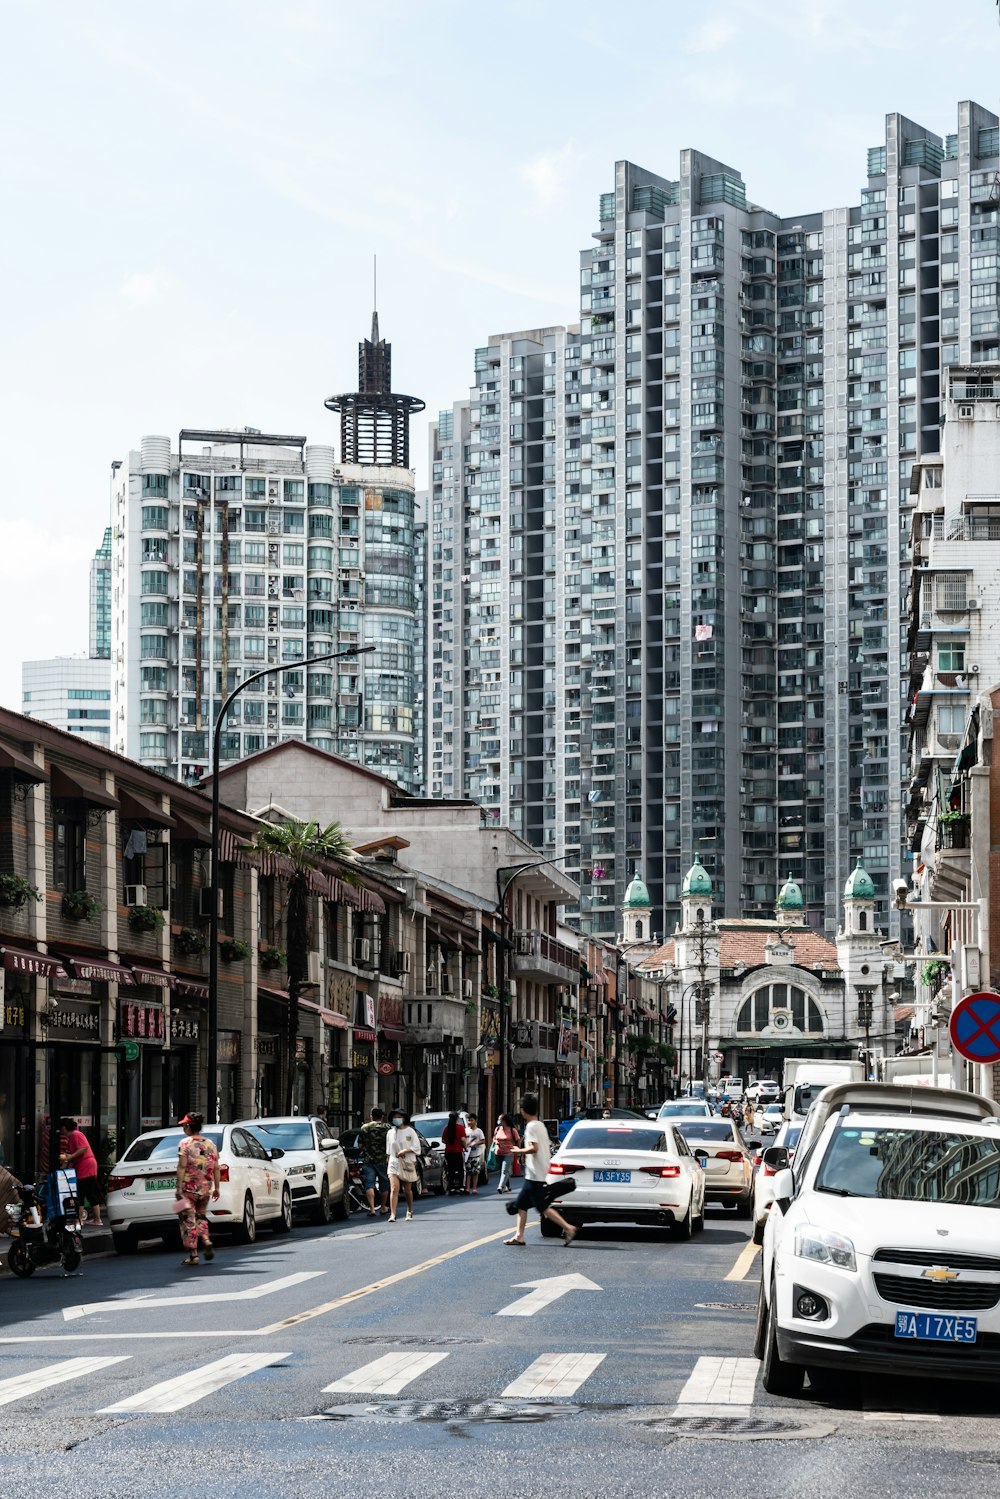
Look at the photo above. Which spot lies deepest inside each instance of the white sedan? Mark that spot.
(729, 1173)
(768, 1119)
(253, 1188)
(314, 1163)
(629, 1173)
(685, 1108)
(763, 1182)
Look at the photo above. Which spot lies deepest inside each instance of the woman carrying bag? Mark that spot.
(403, 1149)
(505, 1137)
(453, 1139)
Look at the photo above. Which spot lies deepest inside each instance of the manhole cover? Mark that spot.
(408, 1340)
(742, 1428)
(727, 1306)
(451, 1410)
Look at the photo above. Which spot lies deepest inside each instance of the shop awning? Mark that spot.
(80, 788)
(24, 768)
(98, 971)
(189, 988)
(155, 976)
(392, 1033)
(329, 1017)
(362, 1033)
(273, 993)
(23, 960)
(191, 830)
(138, 809)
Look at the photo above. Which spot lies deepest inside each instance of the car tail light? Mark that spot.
(770, 1171)
(758, 1159)
(729, 1155)
(223, 1172)
(563, 1168)
(119, 1183)
(660, 1170)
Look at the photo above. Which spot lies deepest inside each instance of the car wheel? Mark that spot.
(283, 1223)
(550, 1230)
(824, 1382)
(246, 1233)
(171, 1238)
(126, 1242)
(699, 1222)
(744, 1206)
(442, 1184)
(682, 1230)
(759, 1225)
(777, 1377)
(760, 1326)
(341, 1209)
(20, 1262)
(322, 1212)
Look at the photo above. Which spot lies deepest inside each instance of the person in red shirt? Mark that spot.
(75, 1151)
(453, 1138)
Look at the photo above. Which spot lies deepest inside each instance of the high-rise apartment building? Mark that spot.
(686, 528)
(71, 693)
(100, 600)
(242, 549)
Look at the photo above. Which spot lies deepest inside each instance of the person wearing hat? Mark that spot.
(197, 1185)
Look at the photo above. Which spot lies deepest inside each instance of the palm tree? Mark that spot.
(304, 845)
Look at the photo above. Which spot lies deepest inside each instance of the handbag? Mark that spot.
(407, 1168)
(181, 1205)
(492, 1160)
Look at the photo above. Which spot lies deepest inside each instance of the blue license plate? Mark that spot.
(613, 1176)
(935, 1327)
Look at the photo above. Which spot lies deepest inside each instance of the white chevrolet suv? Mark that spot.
(880, 1252)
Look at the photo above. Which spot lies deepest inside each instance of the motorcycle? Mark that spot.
(44, 1225)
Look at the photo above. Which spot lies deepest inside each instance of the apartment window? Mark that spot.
(951, 592)
(951, 718)
(951, 656)
(69, 849)
(155, 484)
(155, 517)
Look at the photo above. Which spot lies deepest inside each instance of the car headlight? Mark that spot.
(824, 1247)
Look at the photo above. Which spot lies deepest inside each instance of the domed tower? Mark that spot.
(861, 959)
(637, 922)
(790, 907)
(859, 903)
(696, 896)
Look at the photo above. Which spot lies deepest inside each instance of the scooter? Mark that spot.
(44, 1225)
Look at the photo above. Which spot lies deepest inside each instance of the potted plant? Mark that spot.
(145, 918)
(190, 942)
(489, 991)
(271, 957)
(933, 972)
(77, 905)
(14, 891)
(233, 951)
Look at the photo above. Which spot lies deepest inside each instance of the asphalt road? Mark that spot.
(647, 1385)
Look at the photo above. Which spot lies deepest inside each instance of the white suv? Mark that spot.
(880, 1250)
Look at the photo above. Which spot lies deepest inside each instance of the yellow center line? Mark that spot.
(379, 1285)
(745, 1262)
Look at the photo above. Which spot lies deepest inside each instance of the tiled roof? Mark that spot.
(743, 941)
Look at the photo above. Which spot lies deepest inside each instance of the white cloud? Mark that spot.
(549, 174)
(711, 36)
(141, 288)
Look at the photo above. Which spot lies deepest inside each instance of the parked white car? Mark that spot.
(685, 1108)
(253, 1188)
(314, 1163)
(764, 1090)
(629, 1172)
(729, 1172)
(763, 1181)
(880, 1250)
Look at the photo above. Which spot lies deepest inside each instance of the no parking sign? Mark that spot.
(975, 1027)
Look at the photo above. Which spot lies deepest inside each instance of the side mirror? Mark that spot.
(276, 1153)
(436, 1144)
(784, 1188)
(327, 1143)
(776, 1156)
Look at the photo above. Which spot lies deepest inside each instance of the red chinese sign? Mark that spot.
(143, 1022)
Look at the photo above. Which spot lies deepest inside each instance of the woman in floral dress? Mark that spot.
(197, 1184)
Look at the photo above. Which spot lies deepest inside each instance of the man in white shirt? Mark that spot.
(536, 1149)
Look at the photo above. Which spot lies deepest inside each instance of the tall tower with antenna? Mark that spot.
(375, 420)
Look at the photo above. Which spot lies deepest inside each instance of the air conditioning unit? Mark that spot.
(135, 895)
(446, 983)
(184, 720)
(314, 969)
(404, 962)
(974, 669)
(467, 988)
(203, 904)
(974, 603)
(524, 946)
(362, 951)
(431, 981)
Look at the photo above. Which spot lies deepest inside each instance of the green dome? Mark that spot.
(790, 897)
(697, 881)
(859, 885)
(636, 894)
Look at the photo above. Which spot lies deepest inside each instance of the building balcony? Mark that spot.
(432, 1020)
(534, 1043)
(540, 957)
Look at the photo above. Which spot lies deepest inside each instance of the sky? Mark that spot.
(191, 195)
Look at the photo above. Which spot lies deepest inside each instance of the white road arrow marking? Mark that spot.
(187, 1389)
(546, 1292)
(145, 1303)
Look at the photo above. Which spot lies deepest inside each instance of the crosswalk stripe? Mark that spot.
(20, 1385)
(721, 1381)
(174, 1394)
(554, 1374)
(385, 1376)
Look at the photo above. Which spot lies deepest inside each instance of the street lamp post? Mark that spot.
(214, 887)
(503, 885)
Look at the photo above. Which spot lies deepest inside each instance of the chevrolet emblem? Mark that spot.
(939, 1273)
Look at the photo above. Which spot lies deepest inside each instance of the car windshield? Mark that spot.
(912, 1165)
(613, 1137)
(157, 1147)
(706, 1129)
(293, 1135)
(774, 1110)
(677, 1110)
(431, 1125)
